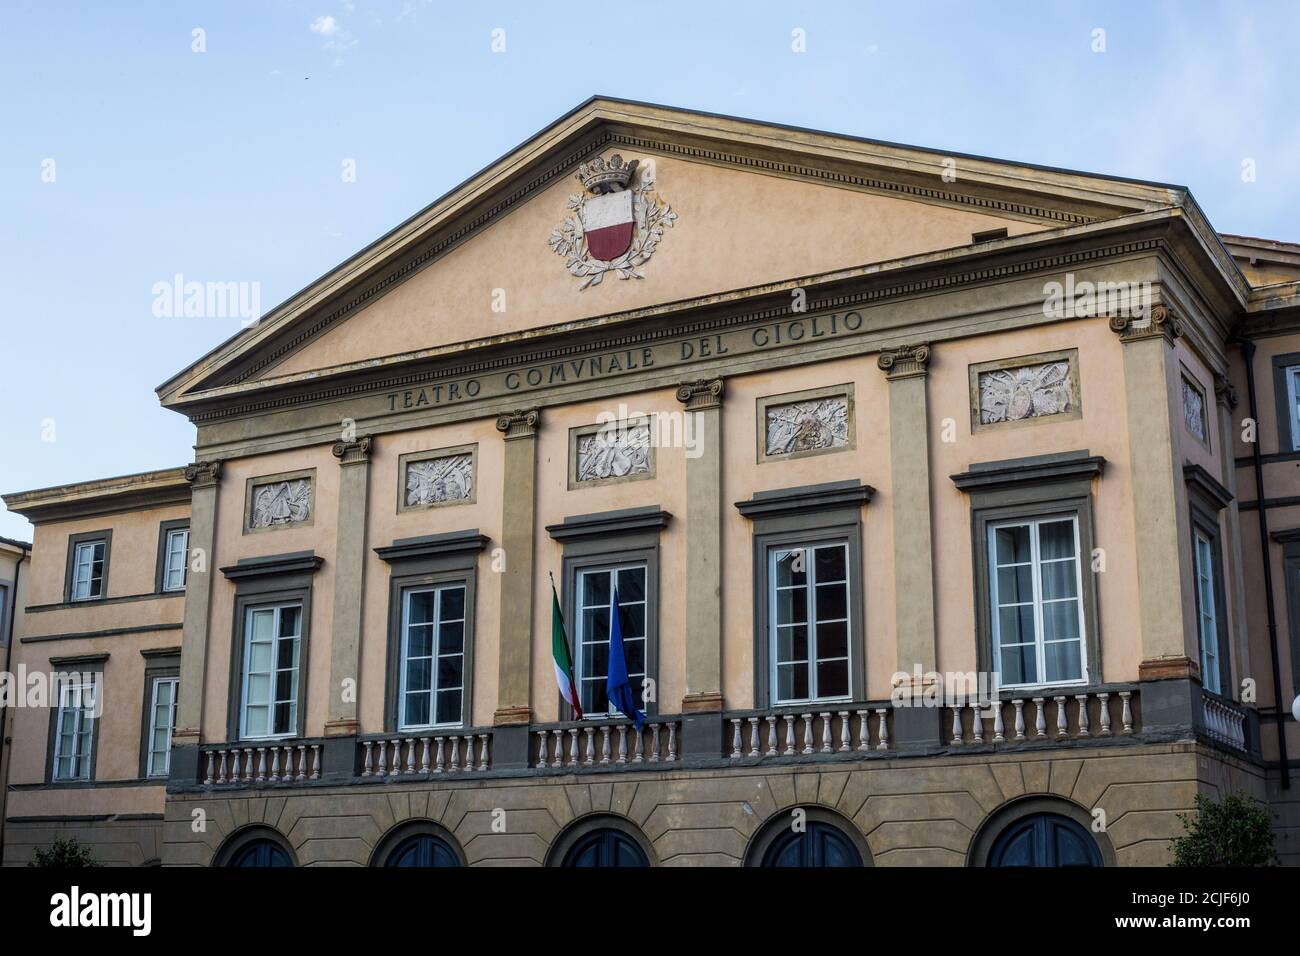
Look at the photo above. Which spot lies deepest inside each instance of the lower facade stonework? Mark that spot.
(927, 812)
(112, 840)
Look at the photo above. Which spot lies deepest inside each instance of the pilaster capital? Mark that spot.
(1161, 323)
(1224, 392)
(203, 474)
(701, 394)
(353, 452)
(907, 361)
(521, 423)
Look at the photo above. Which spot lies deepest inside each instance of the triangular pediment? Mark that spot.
(719, 204)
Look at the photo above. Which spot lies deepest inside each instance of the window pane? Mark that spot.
(829, 564)
(1018, 665)
(1061, 621)
(419, 674)
(832, 641)
(595, 589)
(417, 710)
(287, 653)
(595, 624)
(791, 681)
(1015, 584)
(791, 605)
(289, 621)
(449, 707)
(449, 672)
(832, 601)
(1016, 625)
(420, 607)
(631, 585)
(832, 678)
(1055, 540)
(259, 688)
(1060, 580)
(419, 641)
(594, 698)
(635, 651)
(1012, 544)
(453, 604)
(263, 622)
(632, 620)
(595, 661)
(255, 721)
(792, 643)
(786, 564)
(451, 638)
(283, 718)
(1063, 661)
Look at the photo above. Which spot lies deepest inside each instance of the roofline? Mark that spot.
(100, 496)
(24, 546)
(589, 103)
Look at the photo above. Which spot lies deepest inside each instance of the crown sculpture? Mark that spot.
(600, 177)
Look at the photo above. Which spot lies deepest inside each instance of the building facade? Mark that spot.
(936, 500)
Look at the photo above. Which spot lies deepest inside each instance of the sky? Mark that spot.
(265, 142)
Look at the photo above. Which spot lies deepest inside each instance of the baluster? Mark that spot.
(440, 756)
(1040, 717)
(604, 744)
(1020, 718)
(654, 743)
(1083, 714)
(826, 733)
(482, 751)
(573, 747)
(275, 764)
(883, 728)
(207, 776)
(410, 755)
(236, 756)
(365, 763)
(455, 753)
(542, 736)
(221, 768)
(807, 733)
(771, 735)
(735, 738)
(864, 731)
(248, 765)
(789, 735)
(622, 743)
(754, 750)
(315, 761)
(672, 742)
(590, 735)
(1062, 719)
(977, 720)
(559, 749)
(424, 755)
(383, 759)
(469, 752)
(1127, 714)
(956, 724)
(639, 744)
(845, 731)
(999, 727)
(1105, 714)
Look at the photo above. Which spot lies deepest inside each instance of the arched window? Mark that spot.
(603, 840)
(808, 837)
(605, 847)
(422, 850)
(255, 846)
(1045, 839)
(418, 843)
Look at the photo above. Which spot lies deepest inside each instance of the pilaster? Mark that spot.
(518, 538)
(349, 585)
(204, 478)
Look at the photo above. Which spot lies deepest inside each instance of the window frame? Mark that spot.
(803, 517)
(277, 608)
(159, 665)
(1206, 499)
(810, 587)
(83, 668)
(165, 531)
(434, 686)
(576, 636)
(1040, 643)
(6, 589)
(70, 575)
(1288, 428)
(1028, 488)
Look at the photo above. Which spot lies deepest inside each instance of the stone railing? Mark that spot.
(849, 728)
(249, 763)
(1049, 716)
(1223, 721)
(397, 755)
(582, 744)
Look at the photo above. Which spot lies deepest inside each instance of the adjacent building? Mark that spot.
(946, 509)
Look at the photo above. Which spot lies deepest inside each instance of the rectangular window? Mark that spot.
(272, 635)
(88, 571)
(432, 688)
(74, 734)
(1293, 403)
(808, 594)
(162, 719)
(592, 639)
(1035, 588)
(1207, 613)
(175, 559)
(4, 614)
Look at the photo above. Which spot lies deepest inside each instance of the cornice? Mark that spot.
(101, 497)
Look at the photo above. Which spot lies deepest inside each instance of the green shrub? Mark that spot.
(1234, 831)
(64, 854)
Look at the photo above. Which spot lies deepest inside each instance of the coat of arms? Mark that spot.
(616, 226)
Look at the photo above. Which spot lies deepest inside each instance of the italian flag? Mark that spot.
(560, 656)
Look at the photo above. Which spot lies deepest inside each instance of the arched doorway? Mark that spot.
(1045, 839)
(808, 837)
(601, 840)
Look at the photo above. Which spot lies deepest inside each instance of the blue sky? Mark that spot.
(226, 165)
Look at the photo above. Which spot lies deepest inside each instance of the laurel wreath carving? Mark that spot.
(650, 216)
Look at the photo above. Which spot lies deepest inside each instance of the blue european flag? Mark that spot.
(618, 685)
